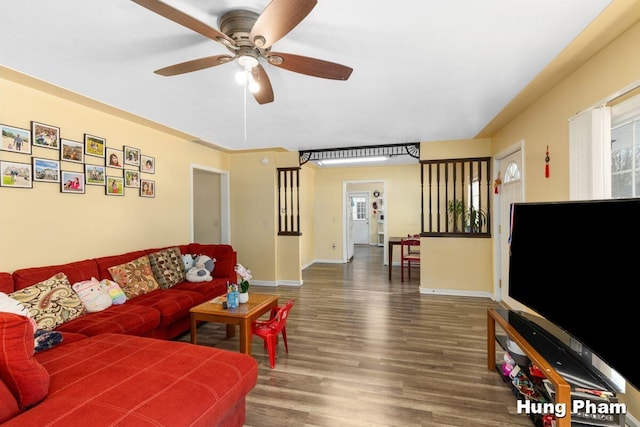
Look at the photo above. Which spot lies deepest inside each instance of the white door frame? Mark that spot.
(346, 211)
(225, 205)
(499, 167)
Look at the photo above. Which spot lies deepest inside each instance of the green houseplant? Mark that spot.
(466, 219)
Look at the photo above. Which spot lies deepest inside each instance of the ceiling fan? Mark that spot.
(249, 36)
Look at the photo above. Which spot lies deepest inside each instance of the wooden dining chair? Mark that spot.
(409, 255)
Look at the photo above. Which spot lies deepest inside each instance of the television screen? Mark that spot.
(576, 264)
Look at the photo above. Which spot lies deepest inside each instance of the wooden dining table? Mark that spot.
(393, 241)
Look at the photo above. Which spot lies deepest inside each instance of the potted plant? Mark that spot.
(243, 284)
(471, 219)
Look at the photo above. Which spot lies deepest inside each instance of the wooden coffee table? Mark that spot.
(243, 315)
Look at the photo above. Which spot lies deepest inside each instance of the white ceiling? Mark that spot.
(424, 70)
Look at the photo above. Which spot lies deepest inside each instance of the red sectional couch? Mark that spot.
(109, 370)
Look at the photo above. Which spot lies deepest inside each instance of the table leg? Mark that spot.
(245, 336)
(390, 256)
(193, 329)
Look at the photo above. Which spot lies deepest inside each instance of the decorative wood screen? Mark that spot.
(289, 202)
(456, 197)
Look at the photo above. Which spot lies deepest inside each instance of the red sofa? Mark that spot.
(110, 370)
(163, 313)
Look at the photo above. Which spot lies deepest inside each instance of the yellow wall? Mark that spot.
(402, 203)
(545, 122)
(43, 226)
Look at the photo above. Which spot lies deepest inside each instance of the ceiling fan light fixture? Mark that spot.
(248, 62)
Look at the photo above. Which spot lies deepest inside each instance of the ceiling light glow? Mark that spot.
(353, 160)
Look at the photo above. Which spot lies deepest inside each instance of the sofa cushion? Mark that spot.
(19, 370)
(135, 277)
(123, 319)
(8, 403)
(135, 381)
(75, 272)
(51, 302)
(167, 267)
(209, 289)
(173, 304)
(6, 283)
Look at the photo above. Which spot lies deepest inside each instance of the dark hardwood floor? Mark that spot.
(366, 351)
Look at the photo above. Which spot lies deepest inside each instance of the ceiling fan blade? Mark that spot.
(194, 65)
(309, 66)
(185, 20)
(277, 19)
(265, 94)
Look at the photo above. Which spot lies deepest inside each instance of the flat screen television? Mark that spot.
(577, 264)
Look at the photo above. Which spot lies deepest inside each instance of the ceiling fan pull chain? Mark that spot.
(244, 97)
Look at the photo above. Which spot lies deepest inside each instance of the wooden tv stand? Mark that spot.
(562, 388)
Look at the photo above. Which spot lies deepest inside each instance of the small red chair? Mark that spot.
(269, 330)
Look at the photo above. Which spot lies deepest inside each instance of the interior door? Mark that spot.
(360, 216)
(510, 192)
(349, 217)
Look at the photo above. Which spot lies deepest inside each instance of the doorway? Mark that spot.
(210, 210)
(359, 194)
(509, 169)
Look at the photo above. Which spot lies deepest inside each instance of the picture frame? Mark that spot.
(15, 139)
(94, 145)
(16, 174)
(131, 155)
(45, 170)
(147, 164)
(72, 182)
(71, 151)
(95, 174)
(132, 178)
(115, 186)
(114, 158)
(45, 136)
(147, 188)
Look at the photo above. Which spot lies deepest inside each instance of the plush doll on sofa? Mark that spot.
(189, 261)
(93, 295)
(202, 269)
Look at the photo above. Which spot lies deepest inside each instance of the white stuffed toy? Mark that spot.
(189, 261)
(201, 271)
(94, 296)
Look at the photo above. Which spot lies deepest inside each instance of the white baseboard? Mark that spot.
(630, 421)
(457, 292)
(270, 283)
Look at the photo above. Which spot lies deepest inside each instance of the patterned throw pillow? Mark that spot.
(135, 277)
(167, 267)
(51, 302)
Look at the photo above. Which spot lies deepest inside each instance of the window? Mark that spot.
(625, 150)
(359, 208)
(456, 196)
